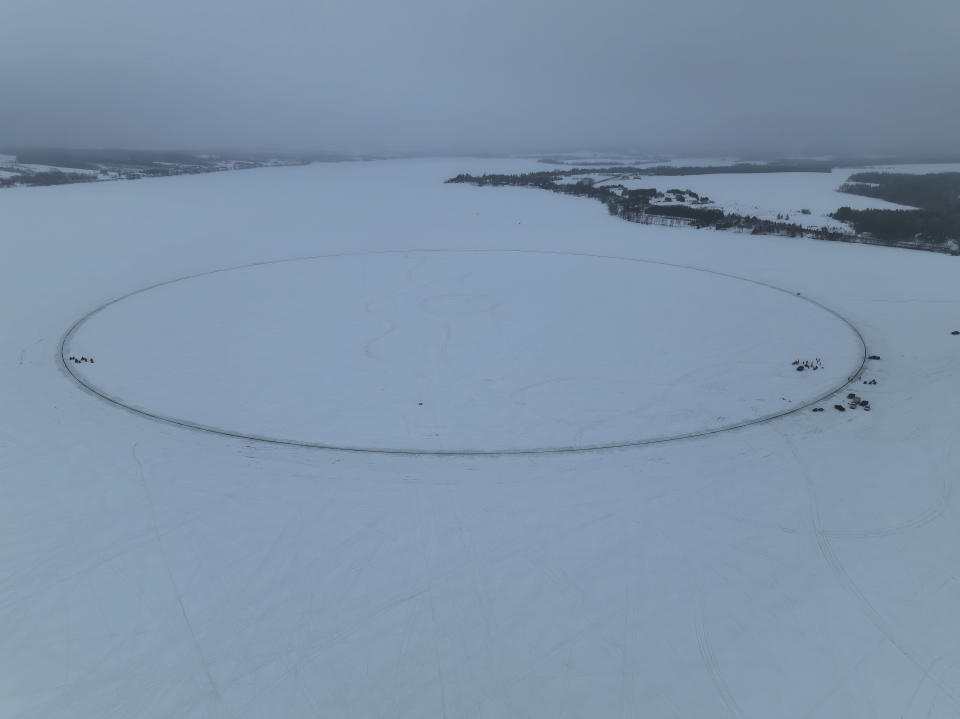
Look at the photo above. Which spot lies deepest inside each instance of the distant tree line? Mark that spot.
(46, 178)
(932, 191)
(937, 195)
(93, 159)
(637, 205)
(916, 225)
(535, 179)
(124, 164)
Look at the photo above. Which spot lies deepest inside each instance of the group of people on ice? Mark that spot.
(807, 364)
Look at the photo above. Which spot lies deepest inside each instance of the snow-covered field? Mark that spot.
(766, 196)
(802, 567)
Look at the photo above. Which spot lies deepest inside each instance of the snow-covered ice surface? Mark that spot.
(463, 351)
(806, 566)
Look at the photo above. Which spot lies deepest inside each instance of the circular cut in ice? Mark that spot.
(462, 351)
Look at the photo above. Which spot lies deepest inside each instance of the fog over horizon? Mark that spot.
(750, 77)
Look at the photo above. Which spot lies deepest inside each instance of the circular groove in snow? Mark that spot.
(462, 351)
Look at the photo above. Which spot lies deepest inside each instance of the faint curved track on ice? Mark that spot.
(887, 629)
(716, 673)
(852, 375)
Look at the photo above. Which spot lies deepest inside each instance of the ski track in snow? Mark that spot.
(872, 614)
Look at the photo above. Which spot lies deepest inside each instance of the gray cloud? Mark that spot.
(425, 75)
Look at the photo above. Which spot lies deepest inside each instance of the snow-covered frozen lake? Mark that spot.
(463, 351)
(802, 567)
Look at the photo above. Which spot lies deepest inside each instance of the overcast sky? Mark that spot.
(680, 76)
